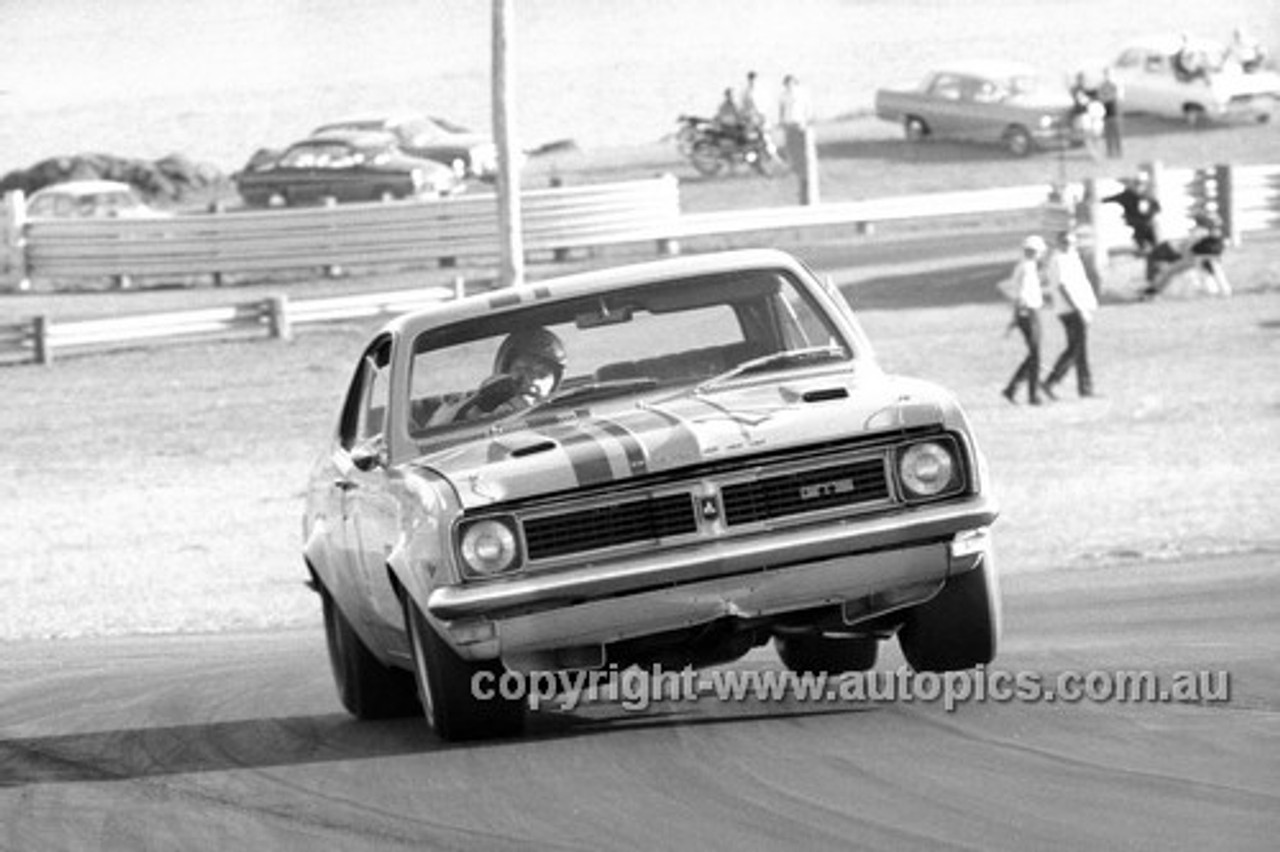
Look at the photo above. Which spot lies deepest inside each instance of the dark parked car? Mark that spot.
(1006, 103)
(664, 464)
(471, 154)
(345, 166)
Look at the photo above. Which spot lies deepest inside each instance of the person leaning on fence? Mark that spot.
(1202, 253)
(1139, 209)
(1075, 304)
(1025, 288)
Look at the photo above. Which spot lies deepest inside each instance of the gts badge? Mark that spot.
(827, 489)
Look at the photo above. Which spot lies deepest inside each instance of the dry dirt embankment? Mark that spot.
(159, 490)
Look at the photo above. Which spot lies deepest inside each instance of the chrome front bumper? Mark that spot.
(759, 576)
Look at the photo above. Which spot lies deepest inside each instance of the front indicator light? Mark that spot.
(489, 547)
(926, 469)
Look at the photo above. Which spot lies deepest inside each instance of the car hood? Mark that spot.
(567, 449)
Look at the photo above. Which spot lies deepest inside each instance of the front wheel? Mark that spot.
(1017, 141)
(959, 627)
(447, 687)
(366, 687)
(915, 129)
(706, 158)
(814, 652)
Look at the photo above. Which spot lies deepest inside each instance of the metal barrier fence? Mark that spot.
(401, 233)
(1247, 198)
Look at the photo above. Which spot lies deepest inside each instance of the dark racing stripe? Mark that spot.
(637, 463)
(679, 446)
(586, 453)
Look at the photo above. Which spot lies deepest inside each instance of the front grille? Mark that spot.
(609, 526)
(805, 491)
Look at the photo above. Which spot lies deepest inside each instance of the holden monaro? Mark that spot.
(664, 464)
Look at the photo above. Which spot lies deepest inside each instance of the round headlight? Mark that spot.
(926, 469)
(489, 547)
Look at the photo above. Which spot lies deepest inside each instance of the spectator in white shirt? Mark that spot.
(1075, 304)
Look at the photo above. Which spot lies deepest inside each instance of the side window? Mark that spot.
(364, 414)
(947, 87)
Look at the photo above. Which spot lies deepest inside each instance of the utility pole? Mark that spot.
(510, 235)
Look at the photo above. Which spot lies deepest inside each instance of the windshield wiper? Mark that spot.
(776, 361)
(593, 390)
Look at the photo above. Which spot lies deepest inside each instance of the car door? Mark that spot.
(945, 94)
(371, 508)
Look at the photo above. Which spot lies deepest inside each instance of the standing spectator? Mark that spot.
(1110, 94)
(1245, 50)
(1026, 288)
(794, 118)
(1075, 304)
(1087, 114)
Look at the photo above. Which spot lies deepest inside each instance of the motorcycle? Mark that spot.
(712, 148)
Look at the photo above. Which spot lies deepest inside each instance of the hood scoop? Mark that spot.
(532, 449)
(825, 394)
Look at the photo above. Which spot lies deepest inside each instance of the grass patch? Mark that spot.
(159, 490)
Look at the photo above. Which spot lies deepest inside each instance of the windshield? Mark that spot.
(583, 352)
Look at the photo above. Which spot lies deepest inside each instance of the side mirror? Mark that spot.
(370, 454)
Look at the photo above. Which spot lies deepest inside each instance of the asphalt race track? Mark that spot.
(238, 742)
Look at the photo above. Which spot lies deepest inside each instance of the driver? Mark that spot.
(535, 358)
(527, 369)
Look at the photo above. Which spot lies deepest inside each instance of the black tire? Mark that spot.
(445, 688)
(957, 629)
(914, 128)
(1017, 141)
(1194, 115)
(706, 158)
(814, 652)
(366, 687)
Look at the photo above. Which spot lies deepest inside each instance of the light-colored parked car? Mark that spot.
(663, 464)
(1007, 103)
(90, 199)
(344, 165)
(1206, 84)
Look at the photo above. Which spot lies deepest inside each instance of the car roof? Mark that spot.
(992, 68)
(1169, 43)
(81, 188)
(587, 283)
(350, 137)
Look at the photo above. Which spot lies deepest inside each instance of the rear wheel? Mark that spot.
(915, 129)
(814, 652)
(706, 158)
(1193, 114)
(366, 687)
(1017, 141)
(446, 688)
(958, 628)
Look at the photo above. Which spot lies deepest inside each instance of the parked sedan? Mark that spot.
(1007, 103)
(666, 464)
(1193, 80)
(345, 166)
(90, 199)
(471, 154)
